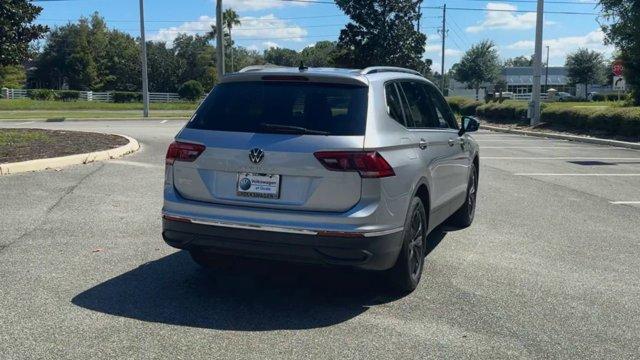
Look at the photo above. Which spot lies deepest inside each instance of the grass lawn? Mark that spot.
(28, 104)
(27, 109)
(89, 114)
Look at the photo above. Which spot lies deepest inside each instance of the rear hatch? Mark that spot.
(259, 142)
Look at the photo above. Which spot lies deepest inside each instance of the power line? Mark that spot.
(511, 11)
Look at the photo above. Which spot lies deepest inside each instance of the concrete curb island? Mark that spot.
(62, 161)
(585, 139)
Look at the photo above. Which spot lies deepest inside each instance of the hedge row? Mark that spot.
(48, 94)
(463, 106)
(614, 121)
(506, 112)
(609, 97)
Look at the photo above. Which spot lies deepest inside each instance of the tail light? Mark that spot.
(370, 164)
(179, 151)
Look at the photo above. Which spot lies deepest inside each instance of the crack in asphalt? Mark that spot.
(48, 211)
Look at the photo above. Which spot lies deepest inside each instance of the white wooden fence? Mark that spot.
(154, 97)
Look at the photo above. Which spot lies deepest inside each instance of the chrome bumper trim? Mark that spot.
(277, 228)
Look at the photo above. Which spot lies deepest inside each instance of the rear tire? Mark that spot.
(406, 273)
(464, 216)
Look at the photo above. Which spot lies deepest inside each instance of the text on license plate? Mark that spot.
(258, 185)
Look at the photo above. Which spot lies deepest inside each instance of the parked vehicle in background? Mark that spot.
(331, 166)
(592, 95)
(565, 96)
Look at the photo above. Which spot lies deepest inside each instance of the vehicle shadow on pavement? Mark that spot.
(252, 295)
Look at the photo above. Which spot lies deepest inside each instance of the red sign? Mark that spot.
(617, 68)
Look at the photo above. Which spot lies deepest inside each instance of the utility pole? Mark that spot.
(143, 56)
(546, 74)
(219, 43)
(534, 106)
(444, 35)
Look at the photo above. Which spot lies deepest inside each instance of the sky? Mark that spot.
(297, 24)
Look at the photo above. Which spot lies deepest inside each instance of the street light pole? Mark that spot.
(537, 64)
(219, 43)
(546, 73)
(143, 56)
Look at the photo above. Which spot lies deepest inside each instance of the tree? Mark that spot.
(191, 90)
(163, 67)
(478, 65)
(519, 61)
(16, 30)
(12, 76)
(321, 54)
(196, 59)
(621, 30)
(584, 66)
(381, 32)
(282, 56)
(230, 18)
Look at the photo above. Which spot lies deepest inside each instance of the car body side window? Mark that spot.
(420, 106)
(394, 103)
(446, 119)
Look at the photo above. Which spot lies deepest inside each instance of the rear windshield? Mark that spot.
(284, 107)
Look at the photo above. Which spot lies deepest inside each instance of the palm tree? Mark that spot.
(230, 18)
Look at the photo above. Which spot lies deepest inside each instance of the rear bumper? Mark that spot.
(372, 252)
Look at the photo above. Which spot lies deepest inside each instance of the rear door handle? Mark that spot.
(452, 142)
(422, 144)
(459, 141)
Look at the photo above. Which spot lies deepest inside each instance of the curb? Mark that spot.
(62, 161)
(585, 139)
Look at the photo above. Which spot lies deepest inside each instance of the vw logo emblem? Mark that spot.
(245, 184)
(256, 155)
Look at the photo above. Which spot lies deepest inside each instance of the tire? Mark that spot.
(406, 273)
(463, 217)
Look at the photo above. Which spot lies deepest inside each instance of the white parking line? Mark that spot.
(24, 123)
(163, 121)
(555, 158)
(625, 202)
(574, 174)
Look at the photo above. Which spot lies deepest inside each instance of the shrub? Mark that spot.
(505, 112)
(68, 95)
(598, 97)
(463, 106)
(41, 94)
(615, 121)
(126, 97)
(191, 90)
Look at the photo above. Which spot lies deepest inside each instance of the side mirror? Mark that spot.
(469, 124)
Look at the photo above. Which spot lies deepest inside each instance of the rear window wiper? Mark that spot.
(293, 129)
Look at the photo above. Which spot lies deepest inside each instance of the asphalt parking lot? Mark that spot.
(549, 269)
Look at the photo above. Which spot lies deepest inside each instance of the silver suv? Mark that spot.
(330, 166)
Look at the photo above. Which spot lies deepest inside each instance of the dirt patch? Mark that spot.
(30, 144)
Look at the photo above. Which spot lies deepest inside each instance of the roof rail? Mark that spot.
(379, 69)
(259, 67)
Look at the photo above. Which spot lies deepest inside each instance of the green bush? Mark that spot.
(463, 106)
(505, 112)
(126, 97)
(598, 97)
(191, 90)
(613, 120)
(67, 95)
(41, 94)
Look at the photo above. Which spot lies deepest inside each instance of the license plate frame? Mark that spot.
(259, 185)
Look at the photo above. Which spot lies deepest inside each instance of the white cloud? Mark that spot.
(270, 44)
(253, 5)
(263, 27)
(560, 47)
(505, 18)
(437, 49)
